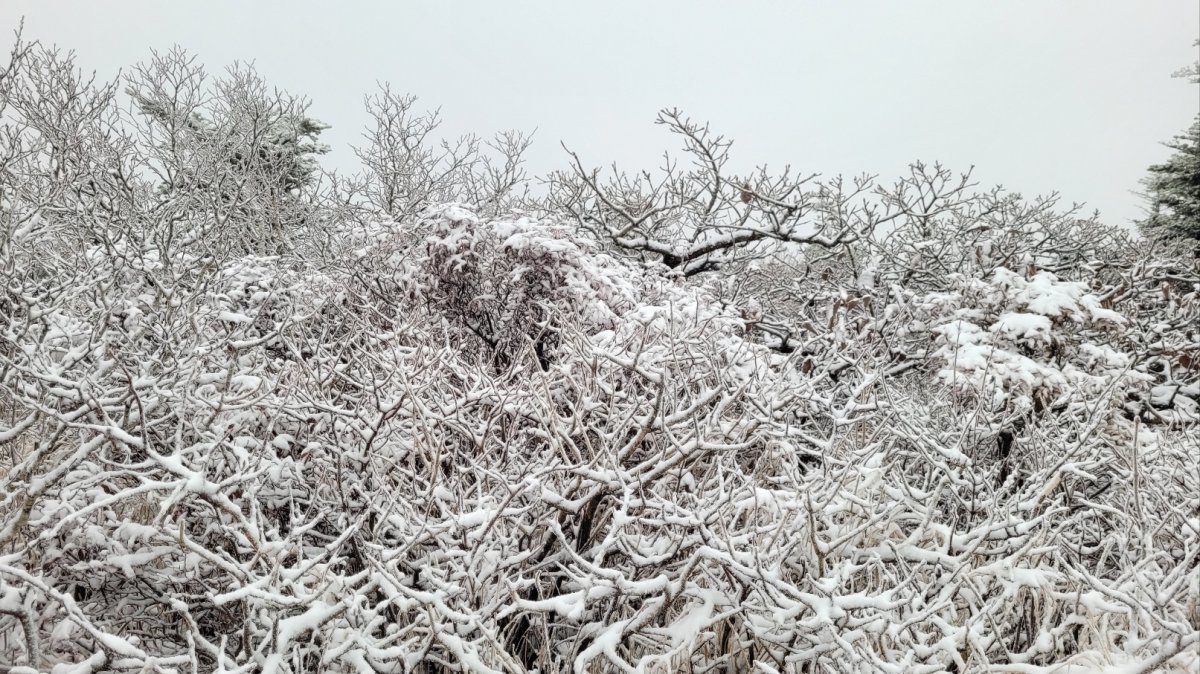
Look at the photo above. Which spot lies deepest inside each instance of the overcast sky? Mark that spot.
(1038, 96)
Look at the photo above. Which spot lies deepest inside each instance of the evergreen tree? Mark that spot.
(1173, 187)
(233, 149)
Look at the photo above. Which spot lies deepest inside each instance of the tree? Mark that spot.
(405, 170)
(1173, 187)
(233, 148)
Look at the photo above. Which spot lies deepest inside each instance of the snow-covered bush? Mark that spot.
(701, 424)
(513, 284)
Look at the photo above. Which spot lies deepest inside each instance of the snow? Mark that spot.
(233, 317)
(1023, 327)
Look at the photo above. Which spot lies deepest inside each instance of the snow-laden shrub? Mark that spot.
(715, 423)
(510, 285)
(457, 441)
(1025, 343)
(327, 471)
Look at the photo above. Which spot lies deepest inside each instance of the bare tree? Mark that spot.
(697, 216)
(407, 168)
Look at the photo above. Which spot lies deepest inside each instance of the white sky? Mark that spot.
(1073, 96)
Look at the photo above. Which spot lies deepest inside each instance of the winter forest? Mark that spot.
(440, 415)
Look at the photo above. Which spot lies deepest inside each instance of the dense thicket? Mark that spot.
(260, 417)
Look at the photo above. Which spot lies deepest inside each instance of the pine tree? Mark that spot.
(1173, 187)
